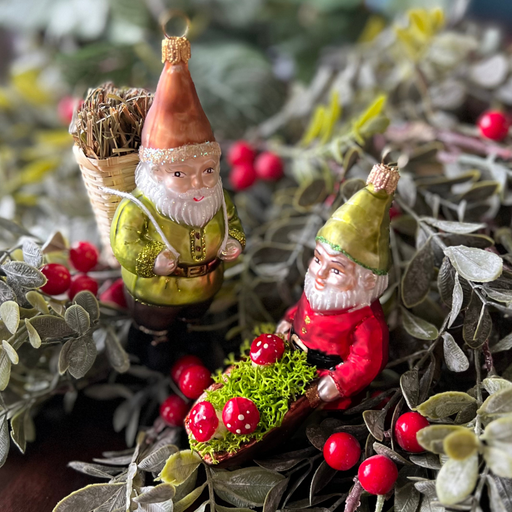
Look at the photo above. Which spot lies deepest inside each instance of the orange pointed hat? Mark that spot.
(176, 127)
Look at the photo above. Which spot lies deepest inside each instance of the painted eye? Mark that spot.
(210, 170)
(336, 271)
(317, 260)
(178, 174)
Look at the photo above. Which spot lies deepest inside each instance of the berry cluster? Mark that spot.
(247, 166)
(376, 474)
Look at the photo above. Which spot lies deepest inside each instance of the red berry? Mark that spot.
(406, 428)
(342, 451)
(194, 380)
(83, 256)
(182, 363)
(67, 107)
(266, 349)
(58, 278)
(115, 294)
(242, 176)
(269, 166)
(173, 410)
(241, 152)
(493, 125)
(240, 415)
(81, 282)
(203, 422)
(377, 474)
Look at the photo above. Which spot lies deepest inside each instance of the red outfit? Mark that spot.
(359, 337)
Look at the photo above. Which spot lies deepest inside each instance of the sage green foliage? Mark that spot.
(271, 388)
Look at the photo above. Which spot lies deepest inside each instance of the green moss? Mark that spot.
(271, 388)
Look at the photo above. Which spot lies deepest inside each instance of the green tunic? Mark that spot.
(136, 244)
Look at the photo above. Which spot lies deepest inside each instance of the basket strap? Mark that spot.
(143, 207)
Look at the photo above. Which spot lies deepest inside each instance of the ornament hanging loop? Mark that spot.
(175, 49)
(168, 16)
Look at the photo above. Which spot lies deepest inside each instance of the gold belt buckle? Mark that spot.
(196, 270)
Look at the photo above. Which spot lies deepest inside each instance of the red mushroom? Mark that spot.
(266, 349)
(204, 422)
(240, 415)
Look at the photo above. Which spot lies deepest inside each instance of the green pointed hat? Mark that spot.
(360, 228)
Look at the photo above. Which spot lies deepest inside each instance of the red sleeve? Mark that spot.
(290, 313)
(368, 355)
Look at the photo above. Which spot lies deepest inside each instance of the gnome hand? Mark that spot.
(327, 389)
(232, 251)
(165, 263)
(283, 327)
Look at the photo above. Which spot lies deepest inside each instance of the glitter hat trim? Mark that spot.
(179, 154)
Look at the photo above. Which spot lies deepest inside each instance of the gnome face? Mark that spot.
(334, 282)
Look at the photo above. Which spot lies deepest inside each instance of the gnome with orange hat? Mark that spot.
(339, 321)
(173, 234)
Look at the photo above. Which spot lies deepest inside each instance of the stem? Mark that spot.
(479, 400)
(479, 489)
(211, 494)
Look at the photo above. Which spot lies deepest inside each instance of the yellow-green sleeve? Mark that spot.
(234, 225)
(132, 247)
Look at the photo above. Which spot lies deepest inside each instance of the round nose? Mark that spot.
(196, 181)
(322, 272)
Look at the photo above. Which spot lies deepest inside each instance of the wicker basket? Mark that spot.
(115, 172)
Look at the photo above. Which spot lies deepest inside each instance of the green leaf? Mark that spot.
(10, 314)
(155, 460)
(274, 496)
(457, 300)
(88, 301)
(81, 356)
(454, 357)
(117, 355)
(189, 499)
(432, 437)
(6, 292)
(11, 353)
(477, 323)
(220, 508)
(497, 404)
(374, 421)
(370, 113)
(419, 328)
(456, 480)
(495, 384)
(500, 493)
(32, 253)
(499, 459)
(407, 498)
(18, 430)
(445, 404)
(37, 301)
(64, 357)
(247, 487)
(78, 319)
(418, 275)
(162, 492)
(461, 444)
(49, 326)
(23, 275)
(499, 430)
(502, 345)
(89, 498)
(460, 228)
(4, 440)
(5, 370)
(180, 466)
(410, 385)
(33, 335)
(475, 264)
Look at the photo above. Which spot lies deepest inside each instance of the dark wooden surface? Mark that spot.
(38, 480)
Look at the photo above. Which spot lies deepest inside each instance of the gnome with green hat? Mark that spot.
(339, 321)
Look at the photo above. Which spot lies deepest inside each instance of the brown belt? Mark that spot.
(196, 270)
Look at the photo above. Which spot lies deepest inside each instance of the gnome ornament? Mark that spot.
(173, 233)
(339, 321)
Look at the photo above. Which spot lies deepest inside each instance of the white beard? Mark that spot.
(180, 207)
(330, 299)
